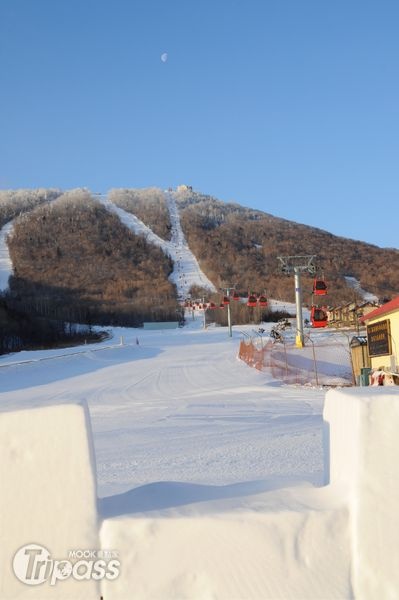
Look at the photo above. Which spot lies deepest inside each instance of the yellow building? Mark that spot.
(383, 337)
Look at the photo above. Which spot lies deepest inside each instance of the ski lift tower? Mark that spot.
(227, 290)
(298, 265)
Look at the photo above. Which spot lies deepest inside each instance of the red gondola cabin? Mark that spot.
(252, 301)
(319, 287)
(318, 317)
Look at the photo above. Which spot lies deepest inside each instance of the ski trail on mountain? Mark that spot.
(6, 268)
(133, 223)
(186, 270)
(355, 284)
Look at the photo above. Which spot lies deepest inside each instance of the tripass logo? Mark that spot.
(33, 565)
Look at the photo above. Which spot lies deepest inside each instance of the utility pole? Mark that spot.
(226, 291)
(299, 339)
(298, 265)
(202, 302)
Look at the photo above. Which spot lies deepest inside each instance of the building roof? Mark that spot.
(382, 310)
(363, 305)
(358, 340)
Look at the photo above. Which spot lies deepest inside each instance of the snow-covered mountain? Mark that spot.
(209, 244)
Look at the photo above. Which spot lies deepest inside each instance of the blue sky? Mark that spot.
(289, 106)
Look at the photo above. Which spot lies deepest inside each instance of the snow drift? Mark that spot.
(48, 492)
(293, 541)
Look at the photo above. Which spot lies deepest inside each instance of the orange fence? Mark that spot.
(253, 356)
(316, 364)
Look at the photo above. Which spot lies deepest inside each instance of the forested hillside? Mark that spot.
(74, 260)
(77, 262)
(237, 245)
(17, 202)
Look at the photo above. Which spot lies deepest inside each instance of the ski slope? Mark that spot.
(355, 284)
(178, 407)
(188, 435)
(5, 259)
(186, 271)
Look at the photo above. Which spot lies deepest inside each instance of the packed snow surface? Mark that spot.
(210, 473)
(180, 425)
(178, 406)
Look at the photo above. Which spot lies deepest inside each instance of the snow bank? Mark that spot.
(334, 542)
(247, 554)
(264, 539)
(48, 493)
(363, 427)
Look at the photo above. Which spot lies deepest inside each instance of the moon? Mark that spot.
(164, 57)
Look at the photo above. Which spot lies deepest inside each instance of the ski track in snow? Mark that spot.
(187, 271)
(179, 407)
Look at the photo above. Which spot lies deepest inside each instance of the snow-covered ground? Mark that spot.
(183, 428)
(178, 407)
(209, 473)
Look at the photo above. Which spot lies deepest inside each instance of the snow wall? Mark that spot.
(338, 541)
(48, 497)
(362, 425)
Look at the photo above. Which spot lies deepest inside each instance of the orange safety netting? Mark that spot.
(323, 364)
